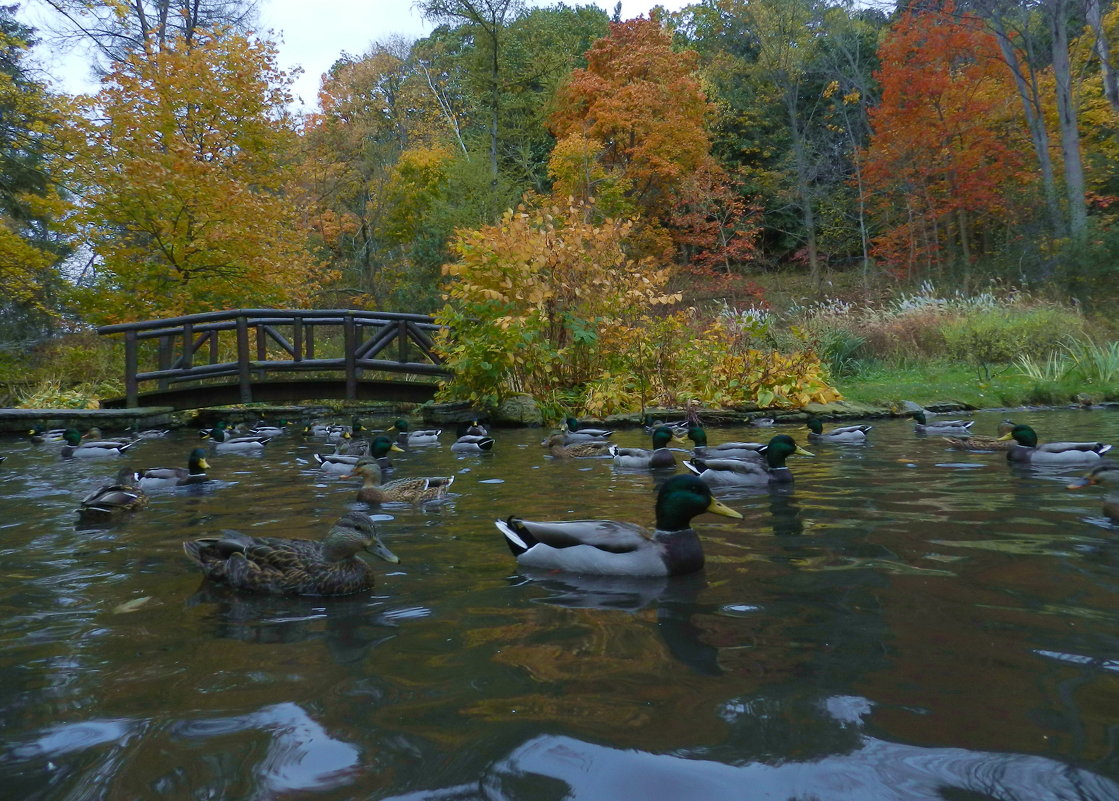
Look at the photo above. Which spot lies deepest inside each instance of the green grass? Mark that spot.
(944, 381)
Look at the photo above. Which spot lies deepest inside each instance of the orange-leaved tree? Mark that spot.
(632, 123)
(945, 163)
(183, 169)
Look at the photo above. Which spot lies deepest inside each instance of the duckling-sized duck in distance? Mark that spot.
(613, 548)
(277, 566)
(113, 500)
(1106, 474)
(750, 472)
(660, 457)
(978, 442)
(96, 449)
(193, 473)
(408, 437)
(402, 490)
(948, 428)
(574, 431)
(576, 450)
(842, 434)
(1025, 449)
(223, 443)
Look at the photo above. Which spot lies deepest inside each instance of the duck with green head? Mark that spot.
(278, 566)
(76, 447)
(468, 442)
(1024, 449)
(947, 428)
(408, 437)
(724, 450)
(193, 473)
(750, 472)
(222, 442)
(1105, 474)
(574, 431)
(659, 457)
(613, 548)
(842, 434)
(402, 490)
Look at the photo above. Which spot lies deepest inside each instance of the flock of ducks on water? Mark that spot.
(331, 566)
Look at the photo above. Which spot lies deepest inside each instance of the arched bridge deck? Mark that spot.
(273, 355)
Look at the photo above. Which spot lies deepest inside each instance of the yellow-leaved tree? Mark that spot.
(183, 167)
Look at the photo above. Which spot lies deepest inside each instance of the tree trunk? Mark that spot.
(1066, 113)
(1103, 51)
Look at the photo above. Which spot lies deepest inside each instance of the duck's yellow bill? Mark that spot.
(203, 464)
(1005, 437)
(803, 452)
(397, 448)
(718, 507)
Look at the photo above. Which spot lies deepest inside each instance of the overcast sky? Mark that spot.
(312, 34)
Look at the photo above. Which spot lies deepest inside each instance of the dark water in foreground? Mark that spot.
(908, 622)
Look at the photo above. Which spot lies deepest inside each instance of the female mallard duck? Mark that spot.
(193, 473)
(1106, 473)
(950, 428)
(279, 566)
(770, 469)
(574, 431)
(223, 443)
(612, 548)
(978, 442)
(576, 450)
(843, 434)
(76, 447)
(113, 500)
(1025, 449)
(407, 437)
(660, 456)
(725, 450)
(402, 490)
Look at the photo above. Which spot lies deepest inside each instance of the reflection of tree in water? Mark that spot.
(350, 626)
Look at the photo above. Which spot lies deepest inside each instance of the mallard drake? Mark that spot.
(1025, 449)
(265, 430)
(379, 449)
(472, 443)
(769, 469)
(576, 450)
(278, 566)
(661, 456)
(407, 437)
(609, 547)
(113, 500)
(651, 423)
(843, 434)
(76, 447)
(193, 473)
(1106, 473)
(402, 490)
(978, 442)
(223, 443)
(725, 450)
(951, 428)
(471, 428)
(574, 431)
(54, 436)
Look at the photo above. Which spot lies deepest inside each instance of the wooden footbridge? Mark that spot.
(276, 356)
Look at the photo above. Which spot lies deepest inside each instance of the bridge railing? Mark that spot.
(356, 340)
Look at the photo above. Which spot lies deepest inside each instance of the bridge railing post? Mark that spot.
(165, 346)
(131, 385)
(188, 346)
(244, 376)
(350, 338)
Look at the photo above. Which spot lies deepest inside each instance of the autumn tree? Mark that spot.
(945, 159)
(33, 231)
(183, 167)
(632, 122)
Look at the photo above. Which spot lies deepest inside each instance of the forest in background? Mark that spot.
(598, 207)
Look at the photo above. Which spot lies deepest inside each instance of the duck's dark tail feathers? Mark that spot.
(517, 536)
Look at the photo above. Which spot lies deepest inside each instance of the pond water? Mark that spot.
(906, 622)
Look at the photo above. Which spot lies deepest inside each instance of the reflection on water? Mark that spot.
(904, 622)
